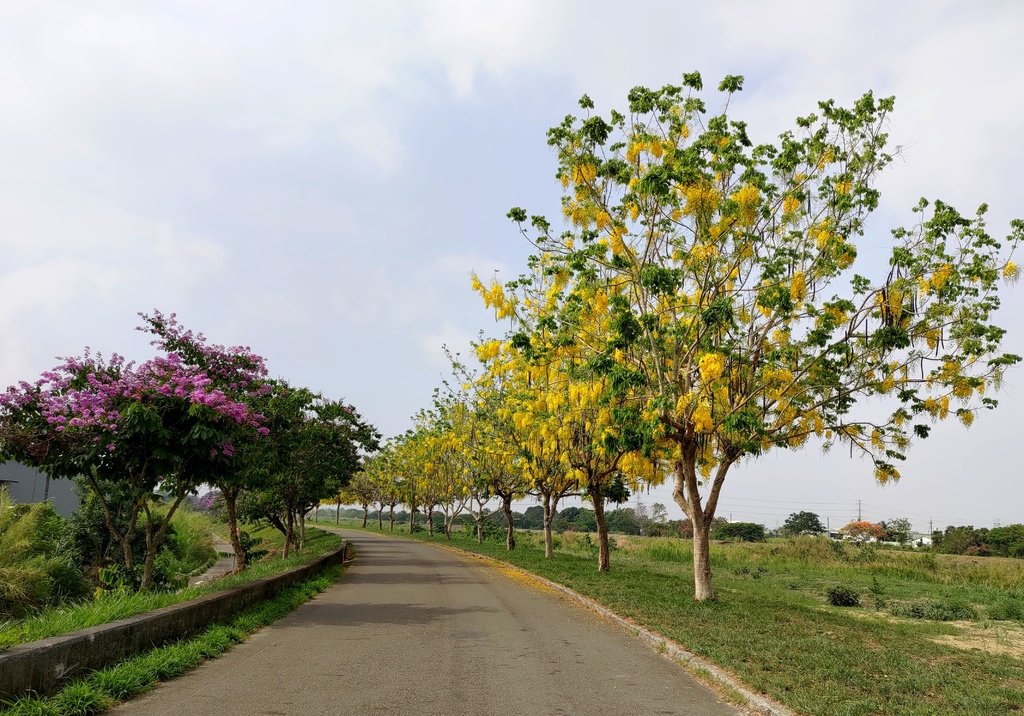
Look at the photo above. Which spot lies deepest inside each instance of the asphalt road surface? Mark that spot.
(418, 630)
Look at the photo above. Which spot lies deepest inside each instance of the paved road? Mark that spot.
(417, 630)
(225, 563)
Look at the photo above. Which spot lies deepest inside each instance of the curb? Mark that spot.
(42, 666)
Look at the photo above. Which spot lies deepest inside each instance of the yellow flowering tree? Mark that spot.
(575, 420)
(716, 280)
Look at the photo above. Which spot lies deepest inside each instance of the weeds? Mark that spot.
(101, 690)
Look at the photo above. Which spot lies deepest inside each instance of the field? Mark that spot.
(933, 634)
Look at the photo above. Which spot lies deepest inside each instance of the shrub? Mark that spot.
(840, 596)
(251, 547)
(934, 610)
(744, 531)
(1007, 609)
(37, 560)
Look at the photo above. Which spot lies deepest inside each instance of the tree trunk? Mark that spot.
(147, 564)
(549, 518)
(302, 531)
(123, 539)
(337, 513)
(380, 518)
(391, 517)
(366, 514)
(685, 493)
(230, 501)
(510, 530)
(702, 589)
(479, 519)
(430, 520)
(603, 553)
(412, 520)
(316, 513)
(153, 541)
(288, 534)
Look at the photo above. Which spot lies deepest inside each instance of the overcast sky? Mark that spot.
(318, 180)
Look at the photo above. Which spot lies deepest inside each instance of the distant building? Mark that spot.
(920, 539)
(28, 485)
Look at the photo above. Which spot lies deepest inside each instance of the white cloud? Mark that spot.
(254, 170)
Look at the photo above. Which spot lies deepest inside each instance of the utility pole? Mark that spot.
(859, 517)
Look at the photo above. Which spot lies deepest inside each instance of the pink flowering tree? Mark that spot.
(170, 423)
(240, 375)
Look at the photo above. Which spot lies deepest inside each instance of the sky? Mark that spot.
(318, 181)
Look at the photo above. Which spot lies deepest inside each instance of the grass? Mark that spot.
(773, 627)
(111, 606)
(102, 689)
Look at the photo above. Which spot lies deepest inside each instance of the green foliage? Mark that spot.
(744, 531)
(802, 523)
(113, 605)
(897, 530)
(187, 547)
(773, 633)
(1005, 541)
(37, 559)
(1007, 608)
(842, 596)
(101, 690)
(934, 610)
(251, 547)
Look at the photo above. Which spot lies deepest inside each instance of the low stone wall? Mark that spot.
(42, 666)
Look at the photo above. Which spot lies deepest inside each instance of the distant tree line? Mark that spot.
(1006, 541)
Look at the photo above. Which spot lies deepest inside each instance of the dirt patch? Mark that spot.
(993, 638)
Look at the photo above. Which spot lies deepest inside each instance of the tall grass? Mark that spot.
(111, 606)
(101, 690)
(36, 558)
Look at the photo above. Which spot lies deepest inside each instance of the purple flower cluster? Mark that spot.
(91, 394)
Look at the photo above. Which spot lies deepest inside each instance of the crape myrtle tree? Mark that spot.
(129, 431)
(734, 308)
(241, 374)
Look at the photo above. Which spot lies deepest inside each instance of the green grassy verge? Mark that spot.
(112, 606)
(102, 689)
(774, 628)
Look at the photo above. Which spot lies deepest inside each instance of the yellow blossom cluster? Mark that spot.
(747, 199)
(701, 199)
(711, 366)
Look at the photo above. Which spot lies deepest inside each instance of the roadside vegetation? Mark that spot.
(933, 634)
(103, 689)
(108, 606)
(141, 441)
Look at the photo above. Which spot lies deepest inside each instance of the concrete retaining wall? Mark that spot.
(42, 666)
